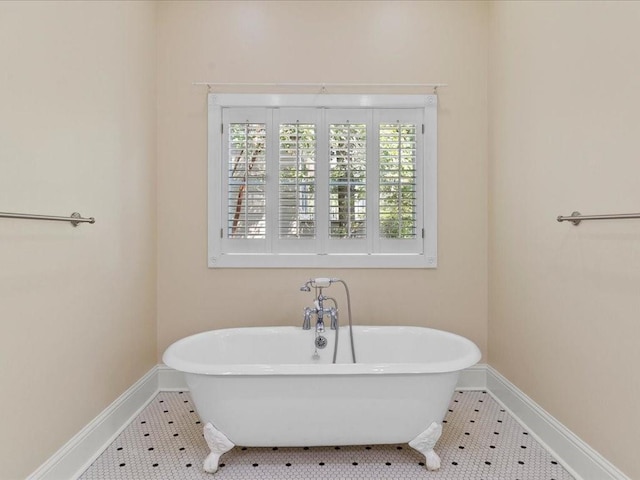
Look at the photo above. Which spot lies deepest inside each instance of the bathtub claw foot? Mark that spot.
(425, 442)
(218, 444)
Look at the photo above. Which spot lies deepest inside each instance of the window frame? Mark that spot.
(220, 256)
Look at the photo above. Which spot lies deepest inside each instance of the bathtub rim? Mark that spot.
(171, 357)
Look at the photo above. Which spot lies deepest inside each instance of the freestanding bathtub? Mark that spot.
(264, 387)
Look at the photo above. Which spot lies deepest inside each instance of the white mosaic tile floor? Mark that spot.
(480, 441)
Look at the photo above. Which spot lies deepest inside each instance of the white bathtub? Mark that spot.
(262, 387)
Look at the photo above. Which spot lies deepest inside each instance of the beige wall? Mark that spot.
(378, 42)
(564, 300)
(77, 132)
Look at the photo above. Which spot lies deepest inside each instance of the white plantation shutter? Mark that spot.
(297, 182)
(399, 196)
(296, 218)
(397, 170)
(348, 137)
(322, 181)
(244, 174)
(246, 201)
(348, 180)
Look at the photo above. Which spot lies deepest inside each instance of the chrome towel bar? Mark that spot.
(75, 217)
(577, 217)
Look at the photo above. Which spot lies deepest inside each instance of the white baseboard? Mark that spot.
(577, 457)
(77, 454)
(473, 378)
(170, 379)
(582, 461)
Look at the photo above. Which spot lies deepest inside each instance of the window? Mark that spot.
(322, 181)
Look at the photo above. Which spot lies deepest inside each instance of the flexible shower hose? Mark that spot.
(353, 350)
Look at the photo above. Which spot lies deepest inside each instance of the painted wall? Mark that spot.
(77, 132)
(565, 135)
(344, 42)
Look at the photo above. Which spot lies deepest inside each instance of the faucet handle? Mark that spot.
(306, 323)
(333, 312)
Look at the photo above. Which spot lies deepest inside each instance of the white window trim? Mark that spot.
(219, 259)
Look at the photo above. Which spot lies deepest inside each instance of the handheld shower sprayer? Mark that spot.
(317, 283)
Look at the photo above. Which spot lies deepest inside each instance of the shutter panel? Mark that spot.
(400, 181)
(297, 181)
(246, 202)
(347, 180)
(397, 180)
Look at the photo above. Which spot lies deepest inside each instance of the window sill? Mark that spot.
(323, 261)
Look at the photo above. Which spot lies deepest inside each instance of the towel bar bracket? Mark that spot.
(575, 221)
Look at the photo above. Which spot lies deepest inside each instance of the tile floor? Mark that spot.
(480, 441)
